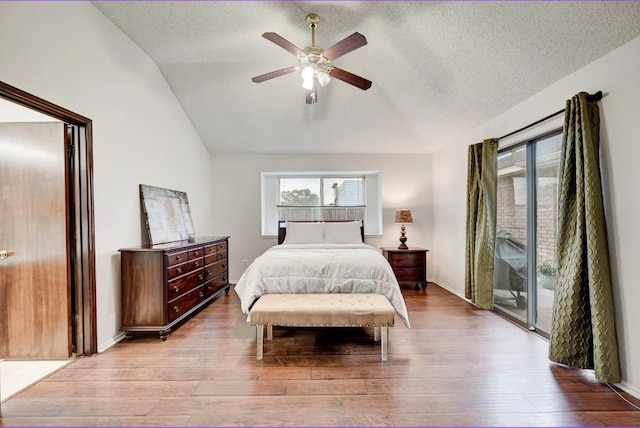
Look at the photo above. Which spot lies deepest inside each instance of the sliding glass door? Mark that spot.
(511, 288)
(527, 226)
(547, 162)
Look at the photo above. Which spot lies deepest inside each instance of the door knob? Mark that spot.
(5, 253)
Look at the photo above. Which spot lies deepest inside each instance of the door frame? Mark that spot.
(81, 178)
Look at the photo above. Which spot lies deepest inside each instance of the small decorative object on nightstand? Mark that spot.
(403, 216)
(408, 265)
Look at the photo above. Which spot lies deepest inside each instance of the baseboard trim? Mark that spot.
(117, 338)
(450, 290)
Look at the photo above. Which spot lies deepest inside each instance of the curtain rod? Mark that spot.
(591, 97)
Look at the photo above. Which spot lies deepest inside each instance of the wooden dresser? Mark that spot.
(166, 283)
(408, 265)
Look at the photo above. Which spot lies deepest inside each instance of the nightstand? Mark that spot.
(408, 265)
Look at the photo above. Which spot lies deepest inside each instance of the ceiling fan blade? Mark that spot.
(274, 74)
(350, 78)
(346, 45)
(284, 43)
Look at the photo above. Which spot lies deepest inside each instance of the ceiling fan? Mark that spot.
(315, 61)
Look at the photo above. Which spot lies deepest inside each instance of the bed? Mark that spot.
(320, 257)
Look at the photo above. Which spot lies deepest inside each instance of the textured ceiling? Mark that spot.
(438, 68)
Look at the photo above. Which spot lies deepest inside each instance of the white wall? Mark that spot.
(12, 112)
(616, 74)
(406, 183)
(71, 55)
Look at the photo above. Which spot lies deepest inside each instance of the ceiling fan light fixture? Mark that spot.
(308, 72)
(307, 84)
(323, 78)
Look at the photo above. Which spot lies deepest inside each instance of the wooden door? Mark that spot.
(35, 298)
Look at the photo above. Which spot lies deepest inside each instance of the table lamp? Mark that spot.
(403, 216)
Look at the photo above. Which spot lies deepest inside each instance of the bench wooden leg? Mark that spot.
(269, 332)
(259, 341)
(376, 334)
(383, 342)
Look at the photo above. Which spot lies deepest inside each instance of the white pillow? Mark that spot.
(304, 233)
(347, 232)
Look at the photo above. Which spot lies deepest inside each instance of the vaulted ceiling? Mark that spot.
(438, 68)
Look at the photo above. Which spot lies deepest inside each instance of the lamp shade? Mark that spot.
(403, 216)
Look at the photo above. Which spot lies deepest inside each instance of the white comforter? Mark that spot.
(320, 268)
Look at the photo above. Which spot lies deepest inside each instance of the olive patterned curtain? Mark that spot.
(583, 331)
(482, 185)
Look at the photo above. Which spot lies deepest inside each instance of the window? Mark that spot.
(314, 196)
(321, 191)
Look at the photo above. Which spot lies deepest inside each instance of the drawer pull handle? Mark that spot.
(178, 257)
(224, 265)
(176, 288)
(5, 253)
(176, 309)
(208, 272)
(197, 264)
(201, 294)
(224, 278)
(197, 253)
(209, 287)
(200, 277)
(179, 270)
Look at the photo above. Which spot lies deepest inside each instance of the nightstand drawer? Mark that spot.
(409, 274)
(406, 260)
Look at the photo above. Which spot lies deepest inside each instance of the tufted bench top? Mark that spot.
(328, 310)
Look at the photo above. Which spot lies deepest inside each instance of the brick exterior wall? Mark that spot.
(512, 208)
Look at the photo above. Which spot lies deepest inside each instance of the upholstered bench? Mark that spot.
(322, 310)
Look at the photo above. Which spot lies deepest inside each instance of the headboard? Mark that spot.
(282, 228)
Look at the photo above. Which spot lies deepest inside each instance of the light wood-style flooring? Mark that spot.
(455, 366)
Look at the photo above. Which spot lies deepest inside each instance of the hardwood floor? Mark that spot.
(455, 366)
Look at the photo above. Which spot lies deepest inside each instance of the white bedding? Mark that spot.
(320, 268)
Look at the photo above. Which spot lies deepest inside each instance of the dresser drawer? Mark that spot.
(177, 258)
(179, 270)
(215, 248)
(196, 253)
(215, 269)
(406, 260)
(216, 284)
(184, 284)
(212, 258)
(185, 302)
